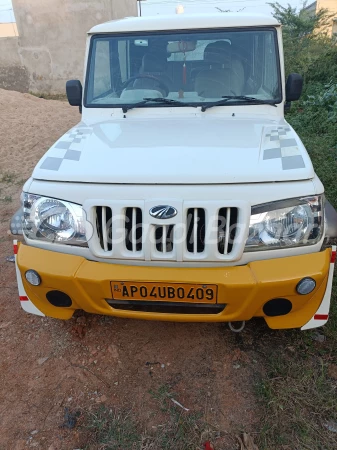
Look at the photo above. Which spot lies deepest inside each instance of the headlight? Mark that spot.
(286, 223)
(57, 221)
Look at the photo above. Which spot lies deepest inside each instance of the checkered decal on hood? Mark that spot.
(280, 143)
(68, 148)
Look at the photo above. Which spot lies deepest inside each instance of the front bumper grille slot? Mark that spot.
(166, 307)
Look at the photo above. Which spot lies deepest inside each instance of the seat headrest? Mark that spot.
(218, 53)
(153, 63)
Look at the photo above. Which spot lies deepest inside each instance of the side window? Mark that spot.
(264, 76)
(102, 77)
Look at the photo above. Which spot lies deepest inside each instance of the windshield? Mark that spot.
(190, 68)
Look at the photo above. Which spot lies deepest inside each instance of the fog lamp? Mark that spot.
(306, 286)
(33, 277)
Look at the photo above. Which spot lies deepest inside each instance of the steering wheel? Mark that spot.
(161, 84)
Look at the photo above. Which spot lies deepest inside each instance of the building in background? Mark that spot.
(50, 46)
(8, 29)
(331, 6)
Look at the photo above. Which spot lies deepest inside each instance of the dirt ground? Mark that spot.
(50, 369)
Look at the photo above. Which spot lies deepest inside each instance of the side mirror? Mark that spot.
(294, 87)
(74, 92)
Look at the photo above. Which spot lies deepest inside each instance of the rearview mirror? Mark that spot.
(181, 46)
(74, 92)
(294, 87)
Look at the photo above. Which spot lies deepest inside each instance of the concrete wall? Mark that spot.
(13, 75)
(52, 36)
(331, 6)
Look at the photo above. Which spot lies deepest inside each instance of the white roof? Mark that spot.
(184, 22)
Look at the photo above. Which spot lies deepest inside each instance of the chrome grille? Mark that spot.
(196, 228)
(104, 227)
(205, 232)
(164, 238)
(133, 229)
(227, 227)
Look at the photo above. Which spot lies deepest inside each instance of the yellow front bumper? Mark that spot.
(243, 289)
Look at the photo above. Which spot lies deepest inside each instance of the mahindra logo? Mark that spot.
(163, 212)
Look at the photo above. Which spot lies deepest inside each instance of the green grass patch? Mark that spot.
(178, 429)
(61, 97)
(298, 398)
(8, 178)
(113, 430)
(6, 199)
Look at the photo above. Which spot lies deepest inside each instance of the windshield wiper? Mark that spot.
(227, 98)
(166, 101)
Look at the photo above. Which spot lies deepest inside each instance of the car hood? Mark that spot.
(193, 150)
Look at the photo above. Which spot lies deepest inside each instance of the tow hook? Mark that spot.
(237, 327)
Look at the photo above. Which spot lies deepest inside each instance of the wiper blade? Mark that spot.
(167, 101)
(253, 99)
(225, 99)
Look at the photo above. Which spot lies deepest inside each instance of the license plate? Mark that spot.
(164, 292)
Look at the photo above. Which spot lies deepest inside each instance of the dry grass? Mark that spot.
(299, 396)
(179, 430)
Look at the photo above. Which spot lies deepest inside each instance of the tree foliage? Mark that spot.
(312, 53)
(299, 24)
(308, 50)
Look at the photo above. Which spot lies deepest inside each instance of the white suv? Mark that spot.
(183, 194)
